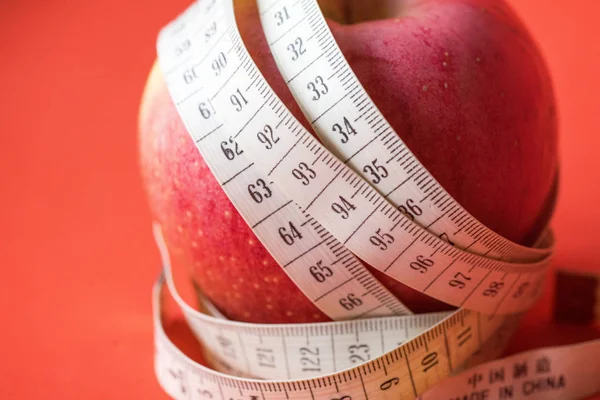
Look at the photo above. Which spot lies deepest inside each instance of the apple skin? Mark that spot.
(462, 83)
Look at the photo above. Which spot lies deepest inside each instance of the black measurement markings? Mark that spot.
(347, 256)
(361, 108)
(436, 247)
(399, 145)
(201, 26)
(412, 380)
(319, 153)
(368, 311)
(236, 46)
(346, 78)
(404, 157)
(497, 242)
(506, 292)
(403, 251)
(335, 67)
(362, 223)
(304, 253)
(434, 221)
(357, 190)
(318, 33)
(209, 133)
(374, 119)
(388, 194)
(313, 14)
(475, 233)
(243, 352)
(365, 273)
(285, 358)
(447, 346)
(399, 150)
(281, 120)
(223, 184)
(473, 243)
(254, 80)
(348, 93)
(191, 36)
(254, 75)
(285, 155)
(189, 96)
(374, 116)
(480, 282)
(378, 364)
(435, 190)
(253, 116)
(327, 47)
(391, 144)
(347, 160)
(420, 175)
(363, 105)
(305, 68)
(325, 187)
(475, 288)
(464, 336)
(217, 42)
(333, 58)
(440, 274)
(227, 81)
(221, 389)
(272, 213)
(245, 61)
(288, 31)
(266, 10)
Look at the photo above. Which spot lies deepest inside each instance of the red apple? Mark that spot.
(462, 83)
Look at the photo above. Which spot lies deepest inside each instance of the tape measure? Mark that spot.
(360, 199)
(243, 352)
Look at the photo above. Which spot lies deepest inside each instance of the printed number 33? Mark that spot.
(318, 87)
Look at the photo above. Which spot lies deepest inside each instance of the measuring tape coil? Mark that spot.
(372, 219)
(347, 213)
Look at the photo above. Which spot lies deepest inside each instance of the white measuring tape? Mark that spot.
(362, 360)
(314, 211)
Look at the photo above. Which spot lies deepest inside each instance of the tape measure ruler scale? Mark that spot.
(368, 216)
(305, 349)
(269, 165)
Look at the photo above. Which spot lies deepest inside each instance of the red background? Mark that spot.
(76, 252)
